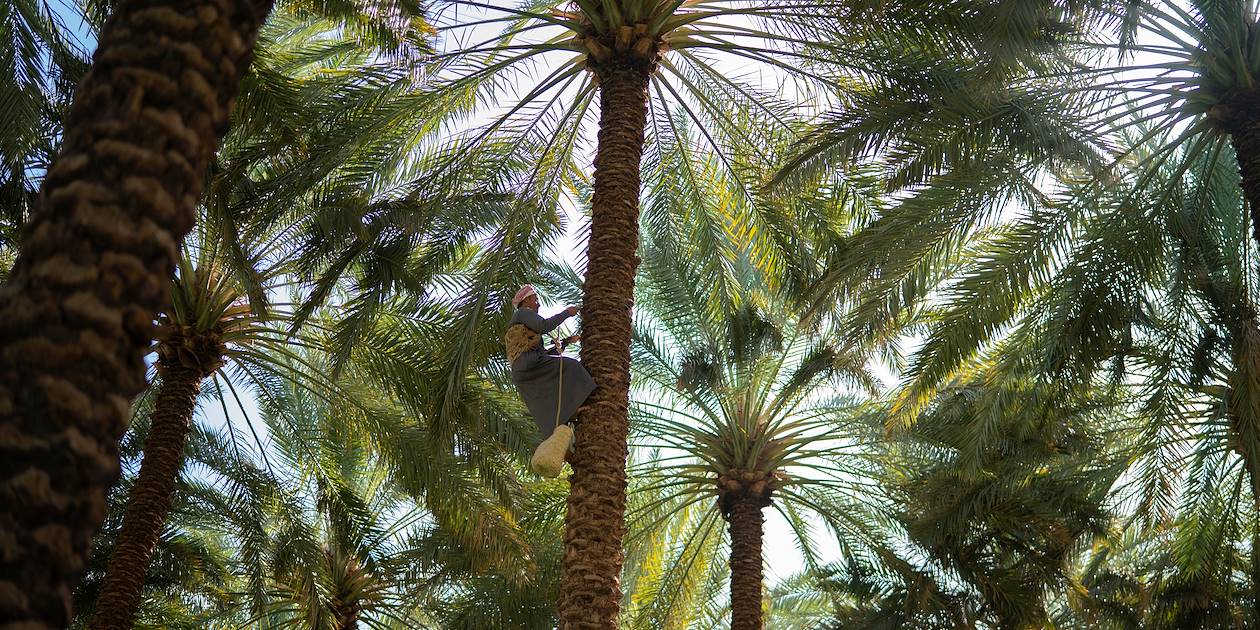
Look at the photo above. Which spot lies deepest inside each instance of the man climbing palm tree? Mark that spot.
(552, 386)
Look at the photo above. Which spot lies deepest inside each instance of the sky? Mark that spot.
(72, 20)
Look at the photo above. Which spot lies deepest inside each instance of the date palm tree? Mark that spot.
(459, 594)
(965, 129)
(1187, 75)
(1001, 484)
(189, 578)
(645, 60)
(338, 541)
(743, 410)
(1128, 151)
(1000, 491)
(757, 422)
(1084, 100)
(383, 524)
(1190, 433)
(91, 276)
(210, 322)
(136, 146)
(1154, 296)
(220, 306)
(348, 510)
(318, 527)
(1189, 572)
(689, 223)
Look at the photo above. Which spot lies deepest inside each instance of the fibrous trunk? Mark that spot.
(1244, 416)
(149, 499)
(591, 591)
(1243, 124)
(77, 312)
(746, 524)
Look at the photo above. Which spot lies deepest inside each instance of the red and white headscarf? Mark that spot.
(520, 296)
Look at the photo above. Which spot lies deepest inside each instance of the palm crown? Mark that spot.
(734, 411)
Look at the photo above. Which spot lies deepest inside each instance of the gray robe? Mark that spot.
(553, 387)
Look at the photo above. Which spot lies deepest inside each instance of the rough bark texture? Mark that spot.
(746, 563)
(149, 500)
(1240, 116)
(1244, 418)
(347, 608)
(347, 620)
(76, 313)
(347, 616)
(591, 588)
(1255, 567)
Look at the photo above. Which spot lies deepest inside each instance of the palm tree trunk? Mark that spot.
(76, 315)
(595, 524)
(746, 563)
(1244, 132)
(347, 618)
(150, 499)
(347, 621)
(1255, 566)
(1244, 416)
(1253, 477)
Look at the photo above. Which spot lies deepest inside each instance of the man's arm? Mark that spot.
(536, 323)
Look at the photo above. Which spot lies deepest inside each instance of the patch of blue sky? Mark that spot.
(73, 22)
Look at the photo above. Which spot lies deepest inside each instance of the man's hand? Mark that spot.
(558, 345)
(572, 310)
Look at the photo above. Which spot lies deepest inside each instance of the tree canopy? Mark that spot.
(902, 314)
